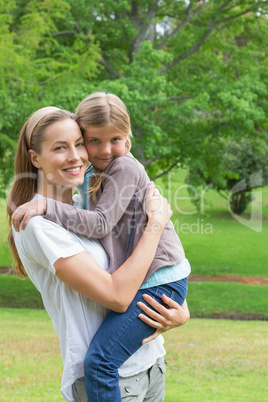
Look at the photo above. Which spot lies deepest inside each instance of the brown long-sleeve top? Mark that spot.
(108, 218)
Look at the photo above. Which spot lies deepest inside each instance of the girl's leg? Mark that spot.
(117, 339)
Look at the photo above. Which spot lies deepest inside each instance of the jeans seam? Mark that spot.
(102, 357)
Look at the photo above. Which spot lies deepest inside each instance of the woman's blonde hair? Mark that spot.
(98, 110)
(32, 136)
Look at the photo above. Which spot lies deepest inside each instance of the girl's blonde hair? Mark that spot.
(32, 135)
(98, 110)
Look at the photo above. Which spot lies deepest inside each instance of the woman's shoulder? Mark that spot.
(40, 228)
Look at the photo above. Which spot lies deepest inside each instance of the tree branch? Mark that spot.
(189, 16)
(144, 28)
(212, 25)
(110, 70)
(175, 98)
(166, 15)
(181, 25)
(64, 33)
(191, 51)
(151, 160)
(242, 13)
(166, 4)
(25, 29)
(180, 98)
(167, 170)
(223, 195)
(78, 28)
(30, 82)
(224, 5)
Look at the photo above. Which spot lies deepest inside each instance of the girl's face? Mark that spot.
(63, 158)
(104, 144)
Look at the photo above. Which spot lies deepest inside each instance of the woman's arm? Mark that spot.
(163, 319)
(116, 291)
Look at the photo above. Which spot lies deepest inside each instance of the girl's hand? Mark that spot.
(26, 211)
(165, 318)
(157, 209)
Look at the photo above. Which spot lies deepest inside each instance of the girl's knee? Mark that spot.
(91, 363)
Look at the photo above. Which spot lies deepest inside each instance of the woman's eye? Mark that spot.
(95, 141)
(80, 144)
(59, 148)
(115, 140)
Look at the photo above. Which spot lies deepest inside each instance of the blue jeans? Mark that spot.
(119, 336)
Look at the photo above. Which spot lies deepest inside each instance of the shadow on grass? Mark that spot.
(234, 301)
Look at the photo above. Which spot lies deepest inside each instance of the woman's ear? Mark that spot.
(34, 158)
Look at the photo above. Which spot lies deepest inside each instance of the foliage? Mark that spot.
(7, 147)
(242, 166)
(191, 73)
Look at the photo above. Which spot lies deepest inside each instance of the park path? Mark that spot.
(249, 280)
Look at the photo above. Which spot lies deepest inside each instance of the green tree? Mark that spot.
(242, 167)
(191, 73)
(35, 65)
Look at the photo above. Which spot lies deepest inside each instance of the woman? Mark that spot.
(51, 159)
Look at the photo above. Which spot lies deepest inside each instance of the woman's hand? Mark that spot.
(165, 318)
(157, 209)
(26, 211)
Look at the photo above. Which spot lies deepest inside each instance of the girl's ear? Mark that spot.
(34, 158)
(127, 144)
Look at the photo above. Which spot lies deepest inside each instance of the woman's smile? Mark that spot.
(75, 170)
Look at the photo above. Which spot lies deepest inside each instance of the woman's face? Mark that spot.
(63, 158)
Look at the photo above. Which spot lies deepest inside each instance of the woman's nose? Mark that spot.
(73, 155)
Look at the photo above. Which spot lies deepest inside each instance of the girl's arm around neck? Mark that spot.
(119, 185)
(116, 291)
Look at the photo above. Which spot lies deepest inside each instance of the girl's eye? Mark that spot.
(95, 141)
(115, 140)
(80, 144)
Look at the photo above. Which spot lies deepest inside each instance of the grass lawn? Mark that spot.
(217, 360)
(205, 299)
(215, 243)
(17, 293)
(228, 300)
(208, 360)
(31, 363)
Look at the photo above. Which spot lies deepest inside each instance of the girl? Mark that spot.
(51, 159)
(117, 217)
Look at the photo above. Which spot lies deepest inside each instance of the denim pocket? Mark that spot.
(177, 290)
